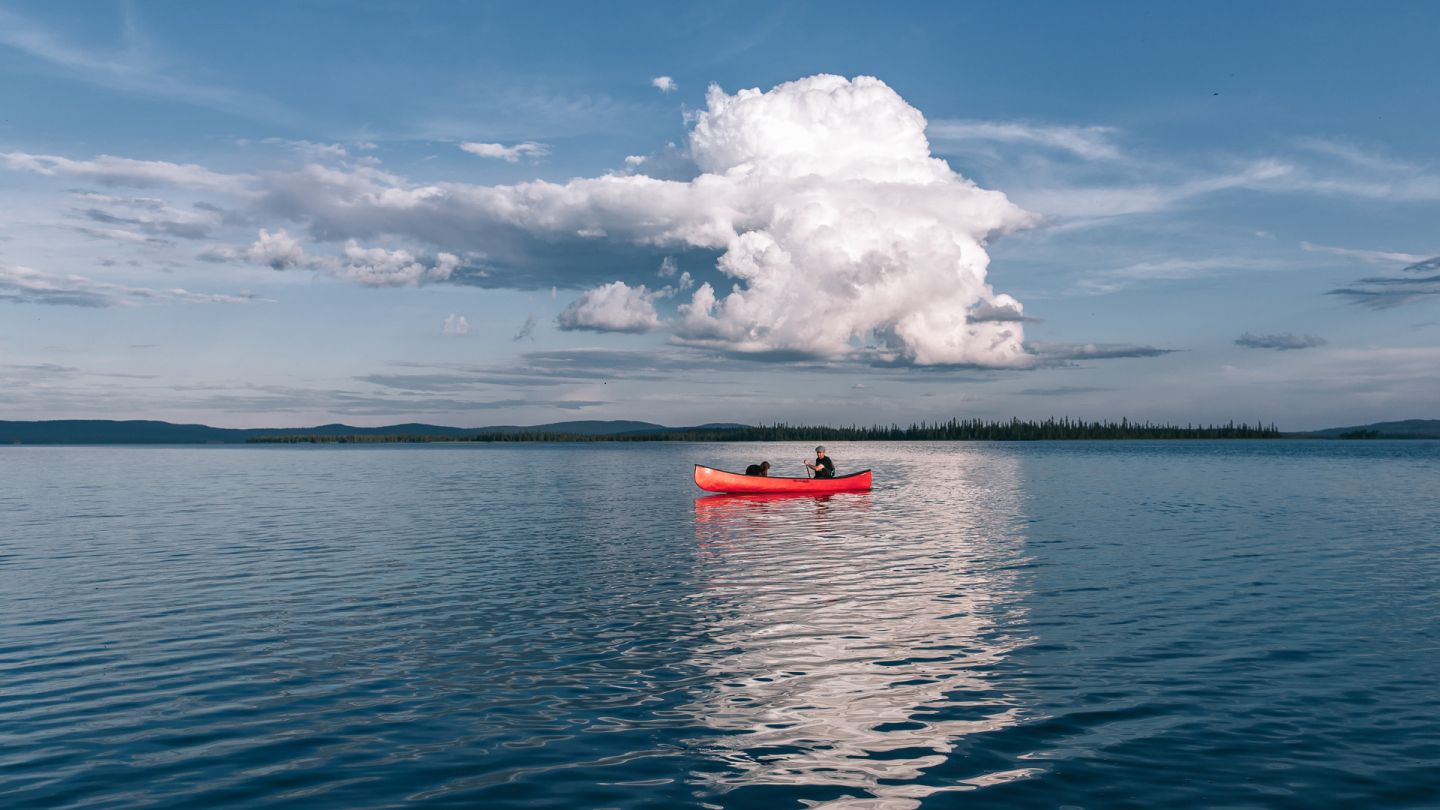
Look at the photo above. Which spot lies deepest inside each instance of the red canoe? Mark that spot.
(713, 480)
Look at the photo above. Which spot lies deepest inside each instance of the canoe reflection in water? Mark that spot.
(722, 512)
(850, 642)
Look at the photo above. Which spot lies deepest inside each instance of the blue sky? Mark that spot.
(295, 213)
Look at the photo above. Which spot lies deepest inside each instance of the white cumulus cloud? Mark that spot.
(455, 325)
(374, 267)
(279, 250)
(664, 84)
(311, 149)
(614, 307)
(509, 154)
(1003, 309)
(378, 267)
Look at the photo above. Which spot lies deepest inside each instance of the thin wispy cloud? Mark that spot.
(1061, 391)
(340, 401)
(312, 149)
(518, 110)
(423, 382)
(1373, 158)
(24, 285)
(1368, 256)
(1120, 278)
(1063, 352)
(121, 235)
(1389, 292)
(576, 367)
(1374, 298)
(1426, 266)
(1111, 184)
(75, 392)
(1087, 142)
(1285, 341)
(1401, 373)
(1391, 187)
(132, 68)
(108, 170)
(526, 330)
(144, 203)
(154, 220)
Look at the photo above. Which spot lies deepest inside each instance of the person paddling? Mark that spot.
(762, 469)
(824, 466)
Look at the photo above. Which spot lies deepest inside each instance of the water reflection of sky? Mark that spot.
(851, 635)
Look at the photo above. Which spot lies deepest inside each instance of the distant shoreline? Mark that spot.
(1049, 430)
(109, 432)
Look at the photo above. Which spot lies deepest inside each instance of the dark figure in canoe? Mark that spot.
(761, 469)
(824, 466)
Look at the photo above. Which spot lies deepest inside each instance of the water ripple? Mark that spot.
(1096, 625)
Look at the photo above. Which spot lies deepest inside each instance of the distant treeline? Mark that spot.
(953, 430)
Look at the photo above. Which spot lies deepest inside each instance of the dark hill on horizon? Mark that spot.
(1403, 429)
(106, 431)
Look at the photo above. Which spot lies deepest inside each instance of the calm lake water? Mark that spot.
(1093, 625)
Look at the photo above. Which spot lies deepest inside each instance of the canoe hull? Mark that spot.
(713, 480)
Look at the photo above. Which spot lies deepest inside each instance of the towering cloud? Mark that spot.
(849, 236)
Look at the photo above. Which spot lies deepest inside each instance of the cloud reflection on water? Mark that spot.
(853, 636)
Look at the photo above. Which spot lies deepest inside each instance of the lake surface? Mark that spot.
(1085, 625)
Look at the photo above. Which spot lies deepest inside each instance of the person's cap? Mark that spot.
(820, 449)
